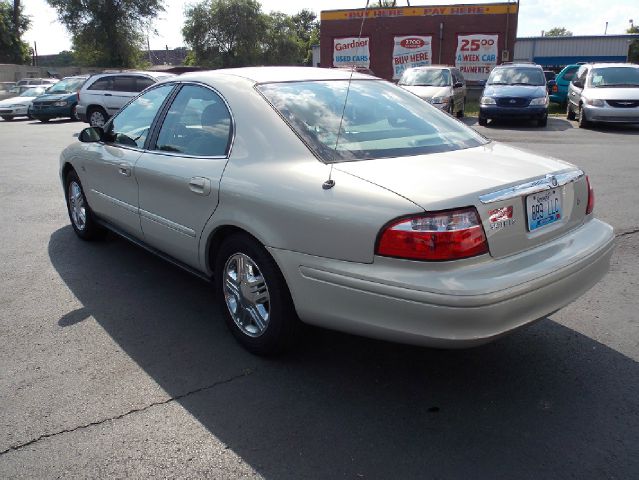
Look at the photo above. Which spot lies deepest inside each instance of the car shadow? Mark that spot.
(555, 124)
(53, 121)
(545, 402)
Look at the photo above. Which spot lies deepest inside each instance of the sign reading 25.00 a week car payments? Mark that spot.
(476, 55)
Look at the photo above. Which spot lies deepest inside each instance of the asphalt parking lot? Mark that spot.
(117, 364)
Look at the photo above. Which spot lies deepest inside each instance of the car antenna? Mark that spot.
(330, 183)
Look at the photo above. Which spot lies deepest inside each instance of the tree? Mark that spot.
(383, 4)
(225, 33)
(107, 33)
(12, 48)
(282, 45)
(558, 32)
(633, 49)
(307, 31)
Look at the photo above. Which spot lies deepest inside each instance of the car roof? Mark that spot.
(526, 65)
(604, 65)
(132, 72)
(278, 74)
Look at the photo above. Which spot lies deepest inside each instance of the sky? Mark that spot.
(582, 17)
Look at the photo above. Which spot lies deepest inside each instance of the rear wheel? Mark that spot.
(81, 216)
(254, 297)
(7, 119)
(97, 117)
(570, 115)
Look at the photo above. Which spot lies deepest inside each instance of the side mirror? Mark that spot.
(458, 85)
(91, 135)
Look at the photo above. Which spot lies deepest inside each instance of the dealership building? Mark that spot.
(474, 38)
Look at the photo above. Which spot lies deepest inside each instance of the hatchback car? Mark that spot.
(18, 106)
(604, 92)
(60, 100)
(558, 88)
(369, 213)
(104, 94)
(442, 86)
(515, 91)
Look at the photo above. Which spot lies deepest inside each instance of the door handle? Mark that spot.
(200, 185)
(124, 169)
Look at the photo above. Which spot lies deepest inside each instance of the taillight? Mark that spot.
(446, 235)
(555, 89)
(591, 197)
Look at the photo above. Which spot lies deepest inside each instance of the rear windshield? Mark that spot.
(428, 78)
(614, 77)
(517, 76)
(380, 120)
(67, 85)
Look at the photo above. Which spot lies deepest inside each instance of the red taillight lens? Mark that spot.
(447, 235)
(555, 89)
(591, 197)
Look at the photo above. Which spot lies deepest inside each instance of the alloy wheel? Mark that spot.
(77, 206)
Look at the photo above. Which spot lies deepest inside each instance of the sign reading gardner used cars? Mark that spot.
(411, 51)
(476, 55)
(351, 51)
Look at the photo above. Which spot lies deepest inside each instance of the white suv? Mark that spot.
(104, 94)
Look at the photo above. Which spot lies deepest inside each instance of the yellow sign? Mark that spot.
(430, 11)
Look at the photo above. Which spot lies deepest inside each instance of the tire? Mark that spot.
(483, 121)
(542, 122)
(460, 114)
(80, 214)
(581, 119)
(43, 120)
(259, 312)
(7, 119)
(451, 107)
(74, 113)
(97, 117)
(570, 115)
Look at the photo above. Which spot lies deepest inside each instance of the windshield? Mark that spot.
(33, 92)
(380, 120)
(614, 77)
(430, 78)
(517, 76)
(67, 85)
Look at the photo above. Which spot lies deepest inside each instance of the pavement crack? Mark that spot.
(20, 446)
(627, 232)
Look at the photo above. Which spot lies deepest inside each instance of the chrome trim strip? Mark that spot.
(119, 203)
(167, 223)
(545, 183)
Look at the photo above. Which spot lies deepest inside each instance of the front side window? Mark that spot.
(131, 126)
(517, 76)
(198, 123)
(426, 78)
(380, 120)
(627, 77)
(33, 92)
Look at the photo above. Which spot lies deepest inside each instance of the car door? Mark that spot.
(179, 179)
(108, 171)
(574, 91)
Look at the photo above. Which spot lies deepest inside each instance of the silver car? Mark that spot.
(347, 205)
(604, 92)
(442, 86)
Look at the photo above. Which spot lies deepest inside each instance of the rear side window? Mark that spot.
(142, 82)
(125, 84)
(104, 83)
(570, 74)
(198, 123)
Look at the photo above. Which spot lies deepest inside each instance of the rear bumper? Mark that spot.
(453, 304)
(611, 114)
(533, 113)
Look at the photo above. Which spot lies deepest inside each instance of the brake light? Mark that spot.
(555, 89)
(591, 197)
(447, 235)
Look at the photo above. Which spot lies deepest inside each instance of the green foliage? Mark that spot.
(558, 32)
(108, 33)
(633, 49)
(12, 48)
(235, 33)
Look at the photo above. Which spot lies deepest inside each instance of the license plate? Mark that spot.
(543, 208)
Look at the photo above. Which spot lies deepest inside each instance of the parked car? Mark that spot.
(18, 106)
(35, 82)
(379, 215)
(558, 88)
(515, 91)
(5, 90)
(442, 86)
(58, 101)
(104, 94)
(549, 75)
(604, 92)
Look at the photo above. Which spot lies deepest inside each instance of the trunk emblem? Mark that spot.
(500, 214)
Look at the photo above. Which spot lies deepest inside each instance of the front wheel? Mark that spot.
(7, 119)
(81, 216)
(570, 115)
(542, 122)
(483, 121)
(582, 120)
(460, 113)
(254, 297)
(97, 117)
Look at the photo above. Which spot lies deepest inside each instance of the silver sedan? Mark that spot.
(339, 200)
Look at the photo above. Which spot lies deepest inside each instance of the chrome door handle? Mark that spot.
(124, 169)
(200, 185)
